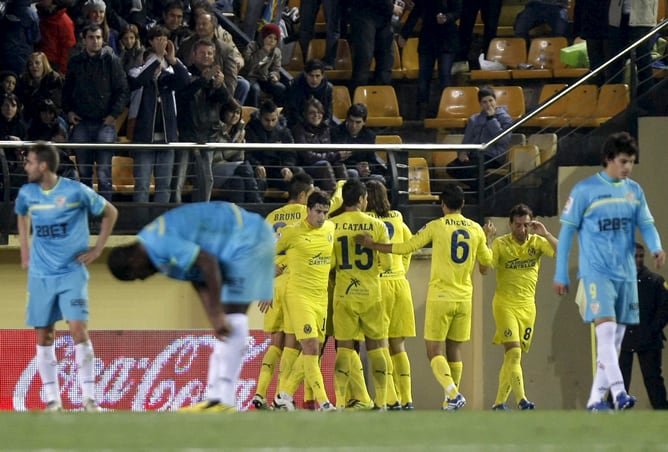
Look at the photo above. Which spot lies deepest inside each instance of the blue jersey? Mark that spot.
(173, 241)
(605, 213)
(59, 219)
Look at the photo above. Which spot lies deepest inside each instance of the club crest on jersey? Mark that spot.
(531, 251)
(568, 205)
(60, 201)
(595, 308)
(630, 197)
(307, 329)
(507, 332)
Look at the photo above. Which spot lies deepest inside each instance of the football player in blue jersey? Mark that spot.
(228, 255)
(57, 208)
(605, 210)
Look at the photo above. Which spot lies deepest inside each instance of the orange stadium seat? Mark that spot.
(457, 104)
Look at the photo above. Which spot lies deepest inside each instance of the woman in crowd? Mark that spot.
(39, 82)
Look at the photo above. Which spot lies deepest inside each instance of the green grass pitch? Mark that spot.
(465, 431)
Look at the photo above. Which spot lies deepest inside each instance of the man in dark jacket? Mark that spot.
(481, 128)
(154, 107)
(274, 166)
(646, 338)
(199, 106)
(362, 165)
(310, 83)
(94, 95)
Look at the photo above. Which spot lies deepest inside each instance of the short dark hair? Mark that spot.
(318, 197)
(47, 153)
(519, 210)
(156, 31)
(618, 143)
(358, 111)
(351, 192)
(90, 27)
(300, 182)
(118, 261)
(377, 198)
(203, 43)
(486, 91)
(453, 197)
(314, 64)
(174, 4)
(268, 106)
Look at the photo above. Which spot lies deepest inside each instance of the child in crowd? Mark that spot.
(263, 63)
(132, 51)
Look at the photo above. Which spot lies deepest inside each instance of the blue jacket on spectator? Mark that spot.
(481, 128)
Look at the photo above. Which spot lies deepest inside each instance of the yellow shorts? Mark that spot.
(514, 324)
(274, 319)
(308, 317)
(447, 320)
(353, 318)
(398, 306)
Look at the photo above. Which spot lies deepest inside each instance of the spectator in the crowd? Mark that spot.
(200, 7)
(481, 128)
(198, 106)
(154, 85)
(371, 37)
(308, 14)
(47, 125)
(272, 167)
(94, 95)
(12, 128)
(591, 24)
(20, 34)
(361, 165)
(490, 10)
(260, 13)
(8, 81)
(228, 57)
(172, 20)
(231, 170)
(312, 83)
(629, 21)
(324, 165)
(39, 81)
(95, 11)
(438, 43)
(132, 50)
(536, 12)
(263, 65)
(57, 31)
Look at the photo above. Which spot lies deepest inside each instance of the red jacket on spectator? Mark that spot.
(58, 38)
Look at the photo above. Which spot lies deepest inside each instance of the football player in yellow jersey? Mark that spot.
(308, 246)
(284, 345)
(358, 307)
(397, 300)
(517, 261)
(457, 243)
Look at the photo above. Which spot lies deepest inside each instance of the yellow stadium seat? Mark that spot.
(581, 105)
(419, 186)
(546, 143)
(122, 174)
(544, 53)
(612, 100)
(456, 106)
(553, 116)
(511, 97)
(342, 101)
(381, 101)
(508, 51)
(343, 64)
(296, 63)
(246, 112)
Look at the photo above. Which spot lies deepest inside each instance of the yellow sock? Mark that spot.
(515, 375)
(504, 382)
(342, 374)
(294, 378)
(379, 372)
(287, 360)
(313, 378)
(269, 361)
(402, 377)
(357, 385)
(443, 374)
(456, 368)
(392, 397)
(308, 392)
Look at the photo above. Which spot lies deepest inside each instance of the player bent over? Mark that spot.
(228, 255)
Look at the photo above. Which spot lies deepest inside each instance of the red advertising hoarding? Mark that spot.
(135, 370)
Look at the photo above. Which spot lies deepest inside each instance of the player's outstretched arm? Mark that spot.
(366, 240)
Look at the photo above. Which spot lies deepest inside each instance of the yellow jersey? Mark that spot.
(308, 251)
(517, 267)
(281, 217)
(357, 268)
(399, 233)
(456, 244)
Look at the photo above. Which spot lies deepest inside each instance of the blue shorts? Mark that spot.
(608, 298)
(248, 267)
(57, 297)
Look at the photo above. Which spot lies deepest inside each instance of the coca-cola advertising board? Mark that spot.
(135, 370)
